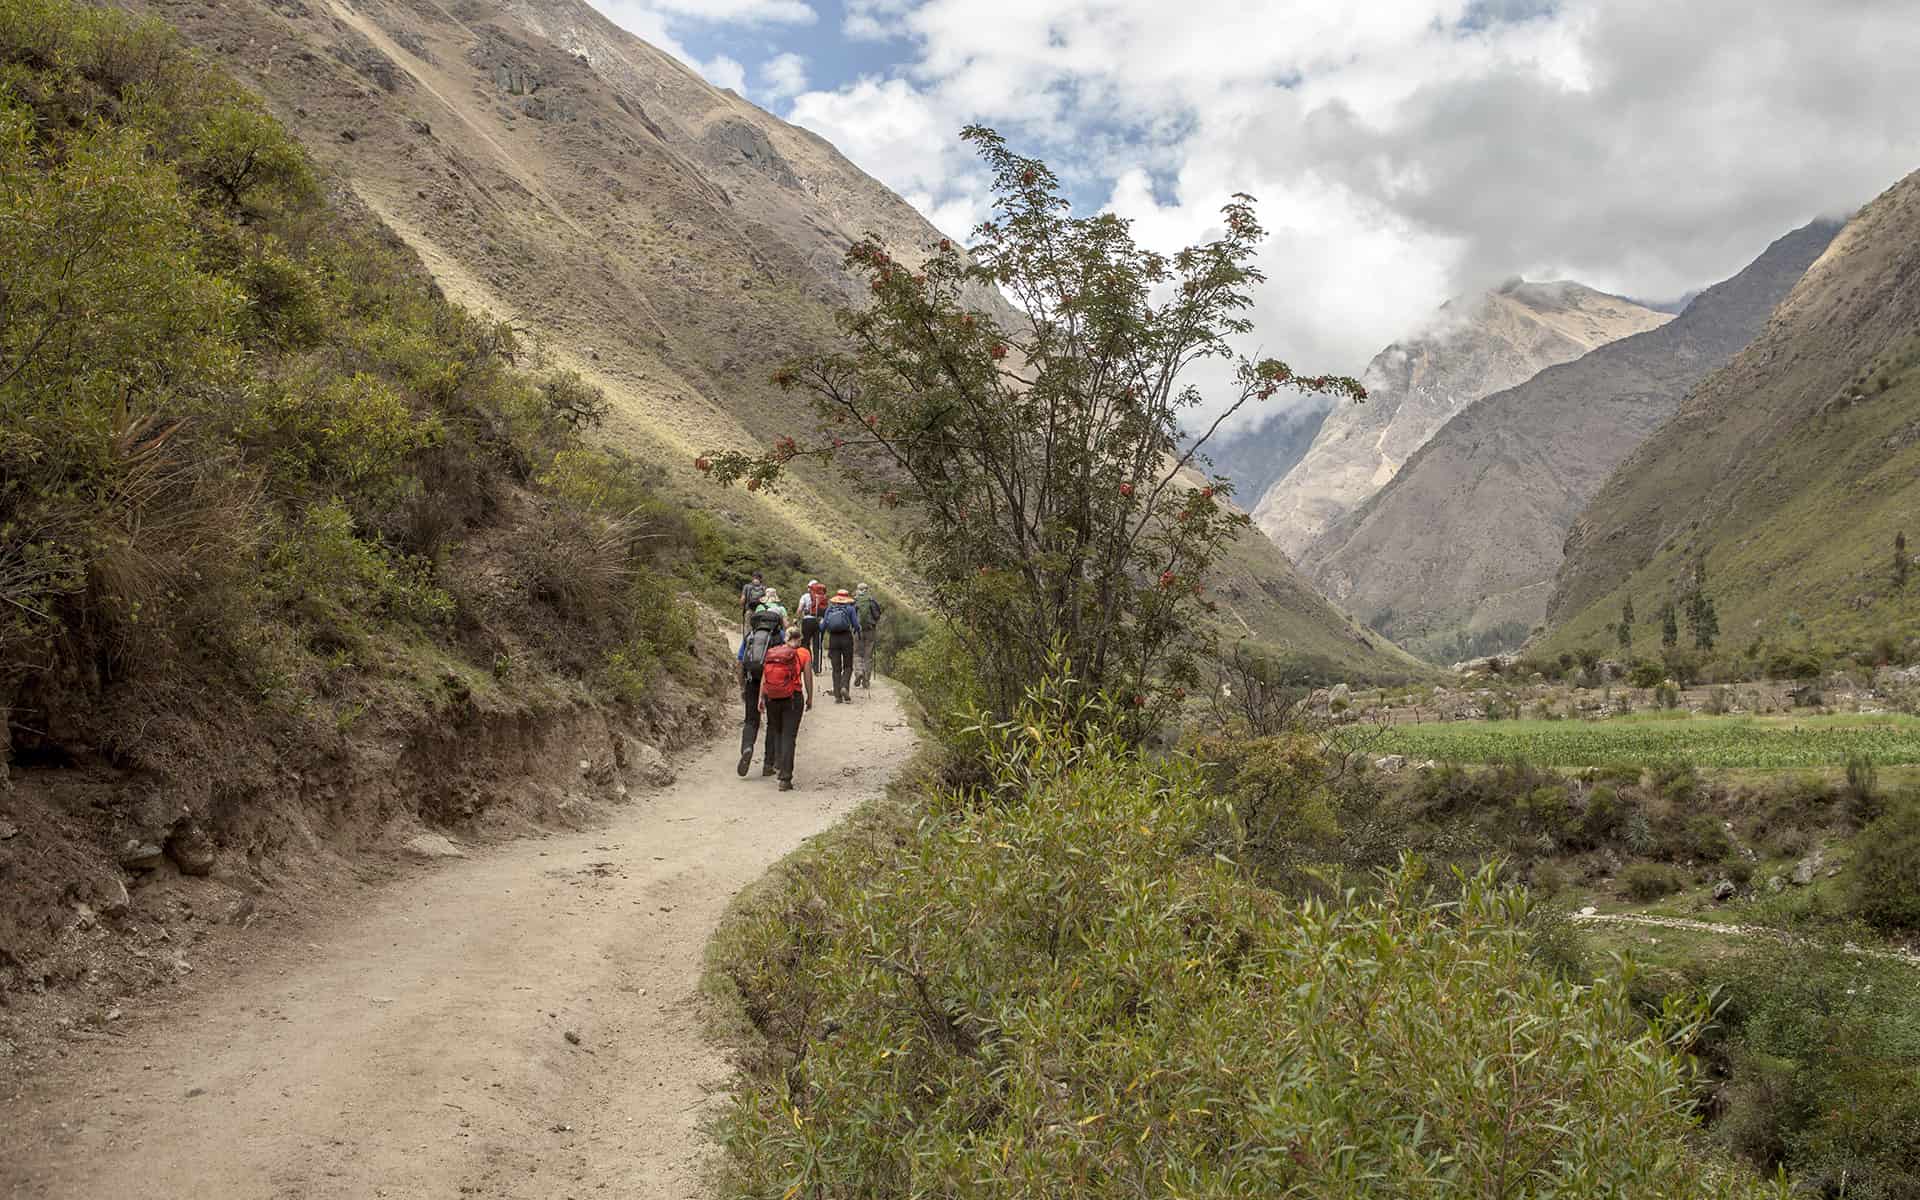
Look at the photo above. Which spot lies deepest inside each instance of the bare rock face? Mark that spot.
(1473, 348)
(432, 846)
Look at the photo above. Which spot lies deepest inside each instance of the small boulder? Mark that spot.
(8, 831)
(1777, 883)
(137, 855)
(1806, 869)
(1392, 764)
(433, 845)
(1341, 694)
(1723, 891)
(643, 765)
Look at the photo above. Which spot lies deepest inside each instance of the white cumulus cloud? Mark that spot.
(784, 75)
(1405, 150)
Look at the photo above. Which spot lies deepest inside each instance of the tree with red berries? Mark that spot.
(1042, 460)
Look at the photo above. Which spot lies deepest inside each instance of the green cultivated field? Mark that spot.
(1763, 743)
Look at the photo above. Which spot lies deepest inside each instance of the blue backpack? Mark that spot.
(840, 618)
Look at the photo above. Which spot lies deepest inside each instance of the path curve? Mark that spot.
(420, 1050)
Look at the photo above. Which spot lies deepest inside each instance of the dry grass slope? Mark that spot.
(667, 239)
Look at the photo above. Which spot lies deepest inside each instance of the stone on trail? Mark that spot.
(142, 856)
(642, 764)
(433, 845)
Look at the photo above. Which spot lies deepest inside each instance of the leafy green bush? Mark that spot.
(1884, 877)
(230, 419)
(1794, 664)
(1651, 881)
(1821, 1052)
(940, 672)
(1277, 786)
(1063, 991)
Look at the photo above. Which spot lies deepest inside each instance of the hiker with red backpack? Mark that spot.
(786, 691)
(766, 630)
(842, 626)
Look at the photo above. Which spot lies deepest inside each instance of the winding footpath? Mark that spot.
(523, 1023)
(1726, 931)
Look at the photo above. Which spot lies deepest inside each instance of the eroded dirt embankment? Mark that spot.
(119, 885)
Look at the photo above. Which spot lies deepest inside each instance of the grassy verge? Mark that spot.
(1065, 985)
(859, 845)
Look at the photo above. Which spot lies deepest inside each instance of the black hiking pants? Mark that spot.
(840, 650)
(810, 638)
(750, 727)
(783, 731)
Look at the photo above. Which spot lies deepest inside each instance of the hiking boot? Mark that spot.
(746, 760)
(786, 785)
(766, 769)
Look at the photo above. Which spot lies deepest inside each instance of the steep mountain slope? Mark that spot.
(1459, 551)
(667, 239)
(1788, 473)
(1414, 387)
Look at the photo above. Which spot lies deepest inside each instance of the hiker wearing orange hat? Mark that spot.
(842, 626)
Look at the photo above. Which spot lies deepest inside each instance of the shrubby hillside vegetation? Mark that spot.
(251, 456)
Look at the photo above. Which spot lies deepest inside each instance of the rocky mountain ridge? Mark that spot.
(1457, 554)
(1786, 476)
(1472, 349)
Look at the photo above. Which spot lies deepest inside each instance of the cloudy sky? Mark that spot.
(1402, 150)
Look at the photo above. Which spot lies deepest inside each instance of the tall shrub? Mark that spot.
(1042, 461)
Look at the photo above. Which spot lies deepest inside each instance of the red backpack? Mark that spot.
(780, 676)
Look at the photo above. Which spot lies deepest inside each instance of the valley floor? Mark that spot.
(524, 1023)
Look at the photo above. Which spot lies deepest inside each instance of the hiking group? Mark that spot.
(780, 655)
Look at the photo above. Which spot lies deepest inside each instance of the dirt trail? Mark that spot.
(420, 1050)
(1733, 932)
